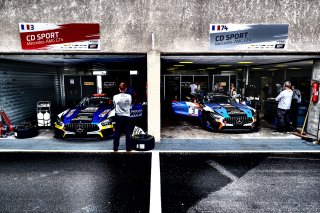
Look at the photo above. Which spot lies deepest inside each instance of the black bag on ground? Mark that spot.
(143, 142)
(27, 130)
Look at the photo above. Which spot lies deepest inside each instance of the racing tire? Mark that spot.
(26, 131)
(204, 121)
(143, 142)
(58, 134)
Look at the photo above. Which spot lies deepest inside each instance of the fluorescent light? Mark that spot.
(178, 65)
(133, 72)
(294, 68)
(281, 65)
(224, 65)
(170, 69)
(101, 72)
(257, 68)
(201, 69)
(211, 68)
(185, 62)
(273, 69)
(245, 62)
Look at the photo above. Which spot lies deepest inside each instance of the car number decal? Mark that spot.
(193, 111)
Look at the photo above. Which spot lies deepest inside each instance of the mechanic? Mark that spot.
(122, 103)
(233, 91)
(296, 101)
(193, 88)
(283, 115)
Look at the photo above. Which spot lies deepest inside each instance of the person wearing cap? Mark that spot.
(283, 115)
(122, 103)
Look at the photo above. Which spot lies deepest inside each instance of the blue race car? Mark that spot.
(218, 112)
(93, 117)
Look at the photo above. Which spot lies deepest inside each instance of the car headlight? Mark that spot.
(106, 122)
(59, 121)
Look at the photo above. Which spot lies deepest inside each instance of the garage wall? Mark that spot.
(179, 25)
(22, 85)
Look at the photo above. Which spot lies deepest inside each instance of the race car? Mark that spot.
(93, 117)
(218, 112)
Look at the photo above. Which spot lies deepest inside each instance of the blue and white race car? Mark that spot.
(93, 117)
(219, 112)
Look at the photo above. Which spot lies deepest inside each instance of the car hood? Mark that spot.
(230, 109)
(87, 114)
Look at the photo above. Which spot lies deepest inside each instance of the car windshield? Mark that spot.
(218, 99)
(95, 102)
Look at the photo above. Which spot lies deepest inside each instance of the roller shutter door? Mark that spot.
(22, 85)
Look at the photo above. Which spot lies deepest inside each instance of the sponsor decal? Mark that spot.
(104, 113)
(136, 113)
(70, 113)
(90, 109)
(72, 36)
(248, 36)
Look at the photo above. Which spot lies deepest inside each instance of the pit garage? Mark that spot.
(257, 79)
(34, 86)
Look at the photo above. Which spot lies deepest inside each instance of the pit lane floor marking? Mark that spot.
(161, 151)
(222, 170)
(155, 185)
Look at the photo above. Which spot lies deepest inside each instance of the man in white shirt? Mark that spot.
(193, 89)
(122, 103)
(283, 115)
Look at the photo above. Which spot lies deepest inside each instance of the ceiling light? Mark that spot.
(99, 72)
(294, 68)
(257, 68)
(201, 69)
(211, 68)
(178, 65)
(224, 65)
(170, 69)
(239, 69)
(245, 62)
(272, 69)
(281, 65)
(133, 72)
(185, 62)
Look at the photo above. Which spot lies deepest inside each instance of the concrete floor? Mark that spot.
(187, 129)
(66, 182)
(192, 130)
(240, 183)
(182, 136)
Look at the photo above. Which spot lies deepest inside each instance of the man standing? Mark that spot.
(122, 103)
(193, 89)
(284, 98)
(296, 101)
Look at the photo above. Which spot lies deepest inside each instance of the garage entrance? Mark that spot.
(65, 80)
(257, 80)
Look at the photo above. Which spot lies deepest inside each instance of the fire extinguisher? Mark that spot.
(315, 92)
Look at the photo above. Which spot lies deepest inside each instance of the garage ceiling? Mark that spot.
(61, 60)
(238, 62)
(172, 63)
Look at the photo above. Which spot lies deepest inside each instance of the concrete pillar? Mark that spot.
(313, 117)
(153, 73)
